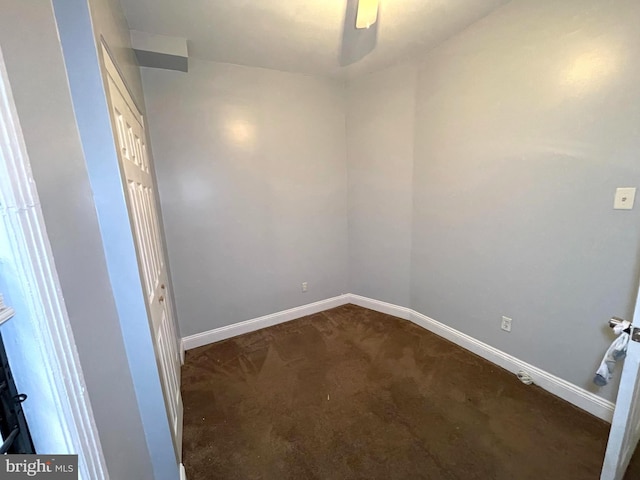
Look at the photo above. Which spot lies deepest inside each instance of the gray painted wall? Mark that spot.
(380, 128)
(526, 123)
(480, 183)
(30, 45)
(251, 165)
(82, 26)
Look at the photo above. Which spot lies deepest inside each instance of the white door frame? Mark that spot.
(21, 216)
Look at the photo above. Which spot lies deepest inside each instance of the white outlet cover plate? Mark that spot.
(506, 324)
(624, 198)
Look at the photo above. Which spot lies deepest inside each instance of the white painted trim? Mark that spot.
(21, 216)
(6, 313)
(182, 351)
(183, 473)
(573, 394)
(378, 306)
(240, 328)
(579, 397)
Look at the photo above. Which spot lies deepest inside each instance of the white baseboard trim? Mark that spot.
(240, 328)
(182, 354)
(183, 473)
(378, 306)
(579, 397)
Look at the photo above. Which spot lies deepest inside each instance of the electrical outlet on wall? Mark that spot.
(305, 286)
(506, 324)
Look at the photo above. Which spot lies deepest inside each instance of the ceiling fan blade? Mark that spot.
(357, 43)
(367, 13)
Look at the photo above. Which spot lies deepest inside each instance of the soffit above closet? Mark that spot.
(303, 36)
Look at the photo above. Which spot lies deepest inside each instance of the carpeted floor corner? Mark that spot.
(355, 394)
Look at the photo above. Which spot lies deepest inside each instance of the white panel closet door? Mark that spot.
(136, 169)
(625, 427)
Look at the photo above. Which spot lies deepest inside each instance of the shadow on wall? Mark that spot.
(356, 43)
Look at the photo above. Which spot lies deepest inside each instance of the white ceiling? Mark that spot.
(303, 36)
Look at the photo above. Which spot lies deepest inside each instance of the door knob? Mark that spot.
(615, 321)
(625, 326)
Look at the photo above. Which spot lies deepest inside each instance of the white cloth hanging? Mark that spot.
(616, 351)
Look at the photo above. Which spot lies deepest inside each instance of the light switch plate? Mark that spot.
(624, 198)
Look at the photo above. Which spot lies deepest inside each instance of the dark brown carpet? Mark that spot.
(354, 394)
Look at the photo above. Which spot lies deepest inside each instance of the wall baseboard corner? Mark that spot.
(569, 392)
(379, 306)
(581, 398)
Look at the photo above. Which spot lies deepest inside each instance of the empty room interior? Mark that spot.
(323, 239)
